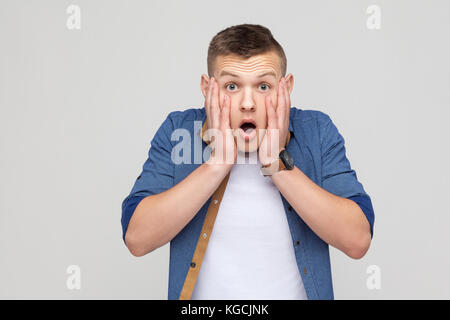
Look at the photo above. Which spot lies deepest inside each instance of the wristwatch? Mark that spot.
(284, 162)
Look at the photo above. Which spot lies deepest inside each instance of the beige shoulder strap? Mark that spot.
(202, 243)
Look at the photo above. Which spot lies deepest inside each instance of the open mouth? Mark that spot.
(247, 129)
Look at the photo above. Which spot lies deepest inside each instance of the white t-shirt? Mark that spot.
(250, 254)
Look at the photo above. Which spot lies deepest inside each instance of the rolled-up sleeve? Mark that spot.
(157, 173)
(337, 175)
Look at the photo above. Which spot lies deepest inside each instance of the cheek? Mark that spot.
(262, 120)
(235, 117)
(262, 103)
(220, 97)
(235, 112)
(262, 117)
(273, 95)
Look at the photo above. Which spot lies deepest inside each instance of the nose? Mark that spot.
(245, 108)
(248, 103)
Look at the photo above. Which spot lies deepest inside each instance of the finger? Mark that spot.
(287, 98)
(208, 101)
(272, 132)
(215, 111)
(271, 114)
(225, 114)
(287, 101)
(281, 104)
(208, 95)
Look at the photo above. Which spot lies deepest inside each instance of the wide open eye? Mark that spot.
(230, 84)
(233, 86)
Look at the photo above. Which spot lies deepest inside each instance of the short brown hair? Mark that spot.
(244, 40)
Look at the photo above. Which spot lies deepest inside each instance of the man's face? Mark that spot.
(247, 83)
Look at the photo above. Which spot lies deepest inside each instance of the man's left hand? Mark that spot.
(277, 125)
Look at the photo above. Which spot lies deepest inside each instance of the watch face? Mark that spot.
(287, 159)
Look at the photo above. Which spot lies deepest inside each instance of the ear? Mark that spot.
(204, 82)
(290, 82)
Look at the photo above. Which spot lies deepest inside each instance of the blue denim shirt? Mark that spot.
(318, 150)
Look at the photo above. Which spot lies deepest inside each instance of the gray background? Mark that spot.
(78, 109)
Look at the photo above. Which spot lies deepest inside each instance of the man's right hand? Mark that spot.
(158, 218)
(223, 145)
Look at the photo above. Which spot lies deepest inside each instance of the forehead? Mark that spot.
(256, 65)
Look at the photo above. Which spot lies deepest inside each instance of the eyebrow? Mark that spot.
(227, 73)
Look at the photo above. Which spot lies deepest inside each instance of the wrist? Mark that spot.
(268, 161)
(265, 161)
(218, 167)
(284, 162)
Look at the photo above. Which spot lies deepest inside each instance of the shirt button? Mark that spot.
(204, 235)
(304, 270)
(215, 201)
(297, 243)
(192, 264)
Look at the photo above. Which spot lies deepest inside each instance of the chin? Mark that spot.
(248, 146)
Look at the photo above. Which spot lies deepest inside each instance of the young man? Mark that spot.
(243, 229)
